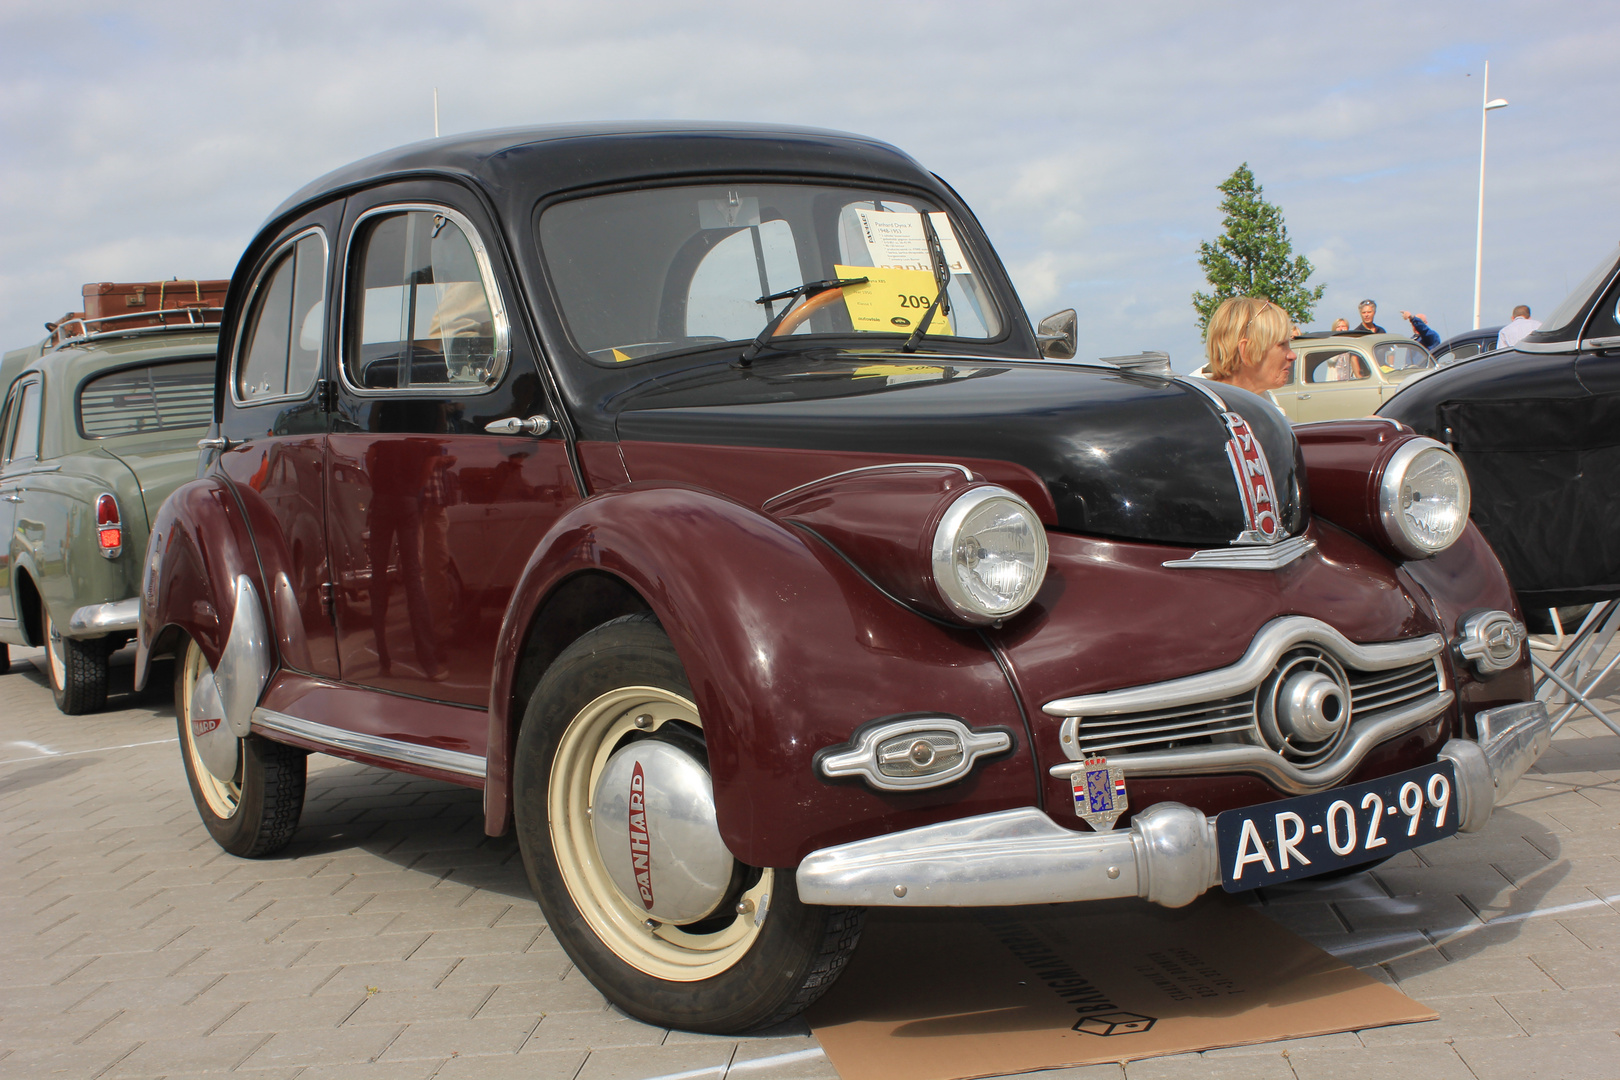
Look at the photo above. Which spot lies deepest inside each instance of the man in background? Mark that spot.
(1368, 310)
(1422, 332)
(1514, 332)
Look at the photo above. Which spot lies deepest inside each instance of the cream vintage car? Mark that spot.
(1346, 376)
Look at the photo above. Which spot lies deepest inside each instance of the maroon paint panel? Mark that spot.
(1111, 615)
(754, 474)
(279, 484)
(202, 541)
(389, 716)
(1344, 461)
(787, 651)
(426, 540)
(602, 465)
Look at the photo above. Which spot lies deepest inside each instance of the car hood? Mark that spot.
(1123, 454)
(159, 466)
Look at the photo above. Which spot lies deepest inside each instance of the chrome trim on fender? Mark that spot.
(1490, 640)
(244, 663)
(98, 619)
(963, 469)
(1271, 766)
(431, 757)
(1247, 557)
(944, 738)
(1274, 639)
(1168, 856)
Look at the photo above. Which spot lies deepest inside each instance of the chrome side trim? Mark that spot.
(244, 664)
(863, 758)
(1271, 766)
(1168, 855)
(1274, 639)
(1490, 640)
(430, 757)
(97, 619)
(963, 469)
(1246, 557)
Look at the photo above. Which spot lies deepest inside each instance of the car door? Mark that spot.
(276, 423)
(19, 447)
(432, 514)
(1337, 383)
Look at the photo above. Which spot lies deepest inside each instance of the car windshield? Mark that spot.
(152, 397)
(1563, 316)
(1398, 359)
(646, 273)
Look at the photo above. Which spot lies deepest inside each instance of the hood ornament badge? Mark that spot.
(1256, 489)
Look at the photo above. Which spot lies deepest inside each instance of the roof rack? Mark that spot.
(186, 318)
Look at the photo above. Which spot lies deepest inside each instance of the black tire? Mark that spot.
(5, 658)
(255, 813)
(771, 968)
(77, 670)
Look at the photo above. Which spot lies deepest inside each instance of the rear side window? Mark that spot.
(156, 397)
(422, 311)
(281, 351)
(23, 444)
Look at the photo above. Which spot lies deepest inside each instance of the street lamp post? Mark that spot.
(1479, 236)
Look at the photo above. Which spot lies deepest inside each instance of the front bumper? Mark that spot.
(94, 620)
(1168, 855)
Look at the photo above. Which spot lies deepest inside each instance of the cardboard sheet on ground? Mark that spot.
(951, 994)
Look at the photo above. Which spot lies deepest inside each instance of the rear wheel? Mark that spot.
(616, 823)
(249, 791)
(78, 670)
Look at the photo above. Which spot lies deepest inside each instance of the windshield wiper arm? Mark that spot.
(809, 288)
(942, 281)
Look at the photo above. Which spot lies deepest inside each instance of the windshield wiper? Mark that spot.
(942, 281)
(809, 288)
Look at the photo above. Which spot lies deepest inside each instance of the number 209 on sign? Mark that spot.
(1312, 834)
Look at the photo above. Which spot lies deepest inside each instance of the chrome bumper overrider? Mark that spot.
(1168, 855)
(93, 620)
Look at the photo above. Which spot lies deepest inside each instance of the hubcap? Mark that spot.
(666, 944)
(55, 654)
(208, 750)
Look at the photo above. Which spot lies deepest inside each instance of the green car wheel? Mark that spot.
(78, 671)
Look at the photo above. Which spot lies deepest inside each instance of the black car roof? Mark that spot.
(564, 156)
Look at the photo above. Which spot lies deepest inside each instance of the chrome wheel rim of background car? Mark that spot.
(222, 796)
(55, 654)
(663, 950)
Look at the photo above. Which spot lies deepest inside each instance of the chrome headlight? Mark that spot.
(989, 555)
(1423, 498)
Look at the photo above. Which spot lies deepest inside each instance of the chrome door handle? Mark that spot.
(1304, 397)
(533, 425)
(12, 496)
(216, 443)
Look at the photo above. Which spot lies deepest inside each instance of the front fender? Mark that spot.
(198, 555)
(788, 650)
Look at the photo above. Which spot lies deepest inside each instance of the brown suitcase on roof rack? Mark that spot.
(141, 300)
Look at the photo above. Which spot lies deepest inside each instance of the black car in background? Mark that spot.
(1538, 428)
(1468, 343)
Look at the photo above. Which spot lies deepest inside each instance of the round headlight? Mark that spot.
(1423, 498)
(989, 555)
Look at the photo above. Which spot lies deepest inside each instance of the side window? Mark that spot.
(421, 309)
(23, 425)
(281, 349)
(1335, 365)
(751, 262)
(1399, 356)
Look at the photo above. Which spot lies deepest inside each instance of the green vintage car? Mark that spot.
(100, 423)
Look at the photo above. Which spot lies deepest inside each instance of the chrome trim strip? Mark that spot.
(244, 663)
(430, 757)
(95, 619)
(1274, 557)
(1274, 639)
(861, 759)
(1168, 856)
(963, 469)
(1271, 766)
(1202, 386)
(240, 343)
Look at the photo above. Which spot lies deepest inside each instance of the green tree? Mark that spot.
(1253, 256)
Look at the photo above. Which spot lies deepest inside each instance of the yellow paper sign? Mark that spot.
(892, 301)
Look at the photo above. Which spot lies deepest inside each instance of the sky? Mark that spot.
(147, 141)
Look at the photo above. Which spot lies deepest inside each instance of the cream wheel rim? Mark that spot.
(55, 654)
(664, 951)
(223, 797)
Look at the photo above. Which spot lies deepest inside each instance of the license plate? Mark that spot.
(1311, 834)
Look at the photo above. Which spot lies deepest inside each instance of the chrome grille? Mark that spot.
(1233, 719)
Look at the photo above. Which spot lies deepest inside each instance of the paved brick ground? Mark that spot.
(393, 940)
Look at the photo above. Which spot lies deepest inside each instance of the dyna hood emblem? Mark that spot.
(640, 842)
(1255, 487)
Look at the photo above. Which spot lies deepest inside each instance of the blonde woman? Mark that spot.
(1247, 344)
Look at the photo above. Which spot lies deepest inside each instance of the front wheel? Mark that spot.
(249, 792)
(78, 670)
(616, 822)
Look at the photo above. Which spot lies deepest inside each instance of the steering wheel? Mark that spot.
(807, 309)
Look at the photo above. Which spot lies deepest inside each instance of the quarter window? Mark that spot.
(157, 397)
(422, 312)
(25, 435)
(281, 352)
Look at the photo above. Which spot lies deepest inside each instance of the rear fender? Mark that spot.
(788, 650)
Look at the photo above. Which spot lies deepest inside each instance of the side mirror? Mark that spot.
(1056, 335)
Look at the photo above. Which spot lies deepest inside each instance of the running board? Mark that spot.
(273, 723)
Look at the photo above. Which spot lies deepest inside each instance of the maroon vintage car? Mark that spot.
(702, 494)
